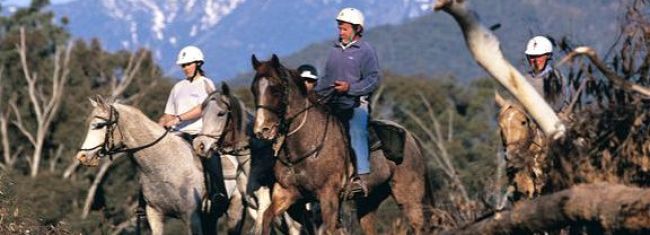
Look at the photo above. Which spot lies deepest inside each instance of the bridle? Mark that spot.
(219, 145)
(285, 122)
(108, 147)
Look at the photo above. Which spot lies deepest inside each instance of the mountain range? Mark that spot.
(408, 36)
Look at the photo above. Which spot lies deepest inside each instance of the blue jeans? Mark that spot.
(358, 130)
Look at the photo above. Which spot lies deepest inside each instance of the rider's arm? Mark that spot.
(194, 113)
(370, 76)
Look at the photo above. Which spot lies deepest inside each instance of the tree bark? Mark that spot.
(484, 47)
(603, 207)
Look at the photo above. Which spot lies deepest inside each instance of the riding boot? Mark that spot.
(359, 185)
(215, 183)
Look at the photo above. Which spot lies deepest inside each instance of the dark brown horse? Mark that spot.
(314, 160)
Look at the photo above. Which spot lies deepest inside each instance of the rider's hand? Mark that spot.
(172, 122)
(341, 86)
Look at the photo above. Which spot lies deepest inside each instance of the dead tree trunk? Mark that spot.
(603, 207)
(484, 47)
(45, 108)
(5, 112)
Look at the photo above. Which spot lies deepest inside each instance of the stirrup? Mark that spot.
(358, 188)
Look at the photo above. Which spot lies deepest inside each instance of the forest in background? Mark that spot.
(46, 78)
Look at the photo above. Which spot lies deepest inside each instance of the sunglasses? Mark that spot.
(186, 64)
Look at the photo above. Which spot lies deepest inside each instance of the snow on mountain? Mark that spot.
(227, 30)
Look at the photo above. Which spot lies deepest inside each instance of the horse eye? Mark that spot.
(221, 113)
(97, 126)
(523, 123)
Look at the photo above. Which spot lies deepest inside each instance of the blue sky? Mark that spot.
(26, 2)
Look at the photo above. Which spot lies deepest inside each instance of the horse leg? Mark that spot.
(330, 204)
(367, 208)
(293, 226)
(263, 196)
(409, 192)
(156, 220)
(281, 200)
(235, 213)
(195, 223)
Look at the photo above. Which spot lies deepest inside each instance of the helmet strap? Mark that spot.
(196, 70)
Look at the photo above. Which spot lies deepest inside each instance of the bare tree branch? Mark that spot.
(45, 108)
(19, 122)
(441, 156)
(5, 113)
(70, 169)
(92, 191)
(56, 157)
(484, 46)
(609, 73)
(608, 207)
(132, 68)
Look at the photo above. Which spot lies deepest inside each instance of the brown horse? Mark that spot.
(523, 142)
(314, 159)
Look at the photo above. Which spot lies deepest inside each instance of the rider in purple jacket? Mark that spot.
(351, 75)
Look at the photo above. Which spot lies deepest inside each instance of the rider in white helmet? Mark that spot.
(351, 76)
(183, 108)
(309, 75)
(547, 80)
(183, 111)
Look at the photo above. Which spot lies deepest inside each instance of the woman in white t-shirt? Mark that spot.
(183, 108)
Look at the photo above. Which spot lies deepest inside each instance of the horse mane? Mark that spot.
(237, 115)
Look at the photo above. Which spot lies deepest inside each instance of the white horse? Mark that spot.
(171, 176)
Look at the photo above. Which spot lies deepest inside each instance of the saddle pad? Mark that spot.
(389, 137)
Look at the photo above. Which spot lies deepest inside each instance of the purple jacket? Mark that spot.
(357, 65)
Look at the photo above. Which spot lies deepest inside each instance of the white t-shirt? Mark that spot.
(186, 95)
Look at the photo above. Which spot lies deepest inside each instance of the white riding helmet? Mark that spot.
(351, 15)
(539, 45)
(189, 54)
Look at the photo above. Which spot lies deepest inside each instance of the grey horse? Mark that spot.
(227, 130)
(171, 176)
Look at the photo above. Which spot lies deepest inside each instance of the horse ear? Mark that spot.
(225, 90)
(275, 61)
(92, 102)
(100, 101)
(256, 63)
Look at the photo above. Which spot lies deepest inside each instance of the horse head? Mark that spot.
(222, 114)
(270, 87)
(514, 124)
(102, 137)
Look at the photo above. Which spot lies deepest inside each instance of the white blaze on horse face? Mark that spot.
(261, 115)
(94, 137)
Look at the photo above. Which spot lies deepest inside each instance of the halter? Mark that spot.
(108, 147)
